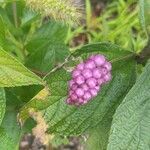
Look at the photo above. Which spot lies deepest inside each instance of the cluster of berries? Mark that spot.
(87, 79)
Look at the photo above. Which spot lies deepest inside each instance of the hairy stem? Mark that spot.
(59, 66)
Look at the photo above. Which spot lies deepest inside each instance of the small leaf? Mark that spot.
(131, 125)
(28, 17)
(13, 73)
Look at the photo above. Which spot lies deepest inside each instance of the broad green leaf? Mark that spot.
(131, 125)
(98, 136)
(70, 120)
(13, 73)
(47, 47)
(2, 104)
(10, 132)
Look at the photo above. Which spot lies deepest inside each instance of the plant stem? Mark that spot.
(59, 66)
(15, 14)
(39, 73)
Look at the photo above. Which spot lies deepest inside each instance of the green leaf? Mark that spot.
(131, 124)
(28, 17)
(13, 73)
(98, 136)
(10, 132)
(5, 18)
(70, 120)
(57, 83)
(47, 47)
(144, 13)
(2, 104)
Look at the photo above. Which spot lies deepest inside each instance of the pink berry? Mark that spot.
(92, 57)
(79, 80)
(74, 87)
(87, 96)
(97, 73)
(104, 71)
(97, 88)
(71, 92)
(107, 77)
(76, 73)
(101, 81)
(84, 87)
(73, 97)
(71, 82)
(108, 66)
(79, 92)
(90, 64)
(81, 100)
(80, 66)
(99, 60)
(87, 79)
(68, 101)
(87, 73)
(93, 92)
(91, 82)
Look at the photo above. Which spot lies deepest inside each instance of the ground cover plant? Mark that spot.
(56, 87)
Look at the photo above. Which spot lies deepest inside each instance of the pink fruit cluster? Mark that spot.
(87, 79)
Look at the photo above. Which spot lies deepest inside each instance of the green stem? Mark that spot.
(58, 67)
(14, 6)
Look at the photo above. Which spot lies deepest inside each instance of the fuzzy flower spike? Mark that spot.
(87, 79)
(63, 10)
